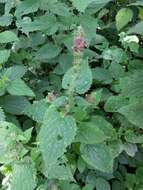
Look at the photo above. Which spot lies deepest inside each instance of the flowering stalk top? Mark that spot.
(79, 41)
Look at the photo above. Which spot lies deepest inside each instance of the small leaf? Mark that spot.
(123, 17)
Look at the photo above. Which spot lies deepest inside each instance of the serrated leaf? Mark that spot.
(81, 5)
(37, 110)
(15, 72)
(105, 126)
(132, 85)
(23, 176)
(8, 140)
(80, 81)
(14, 104)
(8, 36)
(90, 133)
(56, 134)
(6, 20)
(114, 103)
(19, 88)
(4, 55)
(98, 156)
(26, 7)
(48, 51)
(101, 75)
(123, 17)
(46, 23)
(60, 171)
(134, 113)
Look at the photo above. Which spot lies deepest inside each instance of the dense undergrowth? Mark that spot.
(71, 94)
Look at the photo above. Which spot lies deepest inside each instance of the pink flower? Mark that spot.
(79, 41)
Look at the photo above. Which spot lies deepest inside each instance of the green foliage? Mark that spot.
(71, 94)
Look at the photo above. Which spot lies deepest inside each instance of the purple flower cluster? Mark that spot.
(79, 41)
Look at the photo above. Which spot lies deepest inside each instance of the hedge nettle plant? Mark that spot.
(71, 80)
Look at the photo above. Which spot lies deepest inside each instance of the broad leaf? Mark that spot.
(48, 51)
(134, 113)
(56, 134)
(19, 88)
(14, 104)
(98, 156)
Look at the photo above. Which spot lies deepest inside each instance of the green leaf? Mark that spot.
(123, 17)
(79, 80)
(105, 126)
(133, 137)
(114, 54)
(8, 36)
(14, 104)
(115, 102)
(4, 55)
(56, 134)
(101, 75)
(102, 184)
(130, 149)
(132, 85)
(8, 141)
(23, 176)
(89, 134)
(88, 187)
(37, 110)
(19, 88)
(48, 51)
(98, 156)
(6, 20)
(81, 5)
(60, 171)
(46, 23)
(134, 113)
(26, 7)
(137, 29)
(15, 72)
